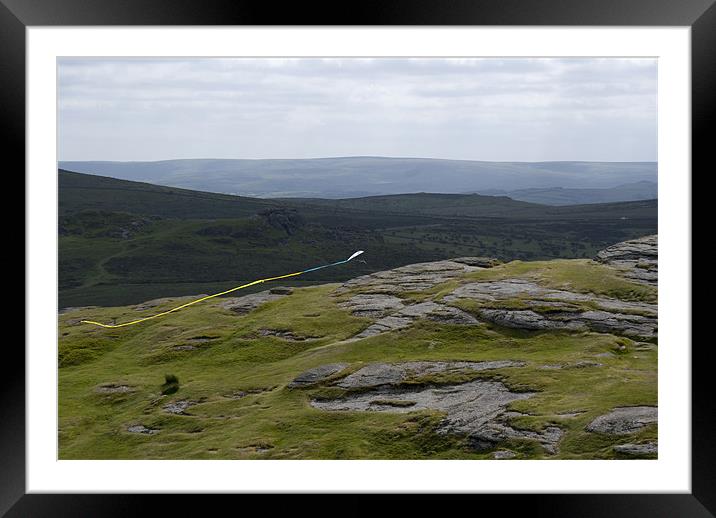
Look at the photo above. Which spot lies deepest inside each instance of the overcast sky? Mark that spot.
(476, 109)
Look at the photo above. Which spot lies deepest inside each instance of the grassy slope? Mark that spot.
(273, 421)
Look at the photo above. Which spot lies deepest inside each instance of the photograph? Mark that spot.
(349, 258)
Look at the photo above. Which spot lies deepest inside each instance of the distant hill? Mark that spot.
(643, 190)
(80, 192)
(350, 177)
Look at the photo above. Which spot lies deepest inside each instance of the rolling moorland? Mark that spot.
(123, 242)
(563, 196)
(468, 358)
(352, 177)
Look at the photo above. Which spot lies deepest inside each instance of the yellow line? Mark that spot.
(113, 326)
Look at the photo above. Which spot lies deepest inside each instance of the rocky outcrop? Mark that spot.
(553, 309)
(412, 278)
(113, 388)
(476, 409)
(317, 375)
(624, 420)
(372, 305)
(247, 303)
(637, 450)
(379, 374)
(601, 321)
(139, 428)
(409, 314)
(638, 258)
(513, 302)
(178, 407)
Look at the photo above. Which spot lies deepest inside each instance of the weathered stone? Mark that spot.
(521, 319)
(504, 454)
(638, 258)
(372, 305)
(474, 409)
(645, 449)
(139, 428)
(624, 420)
(406, 316)
(547, 308)
(378, 374)
(482, 262)
(636, 326)
(413, 277)
(247, 303)
(113, 388)
(281, 290)
(317, 375)
(533, 294)
(178, 407)
(184, 347)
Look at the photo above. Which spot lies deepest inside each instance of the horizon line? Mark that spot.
(372, 156)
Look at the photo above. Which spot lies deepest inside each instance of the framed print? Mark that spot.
(419, 249)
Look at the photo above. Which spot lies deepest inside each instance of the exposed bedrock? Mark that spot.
(476, 409)
(637, 257)
(409, 314)
(317, 374)
(624, 420)
(637, 450)
(247, 303)
(552, 309)
(414, 277)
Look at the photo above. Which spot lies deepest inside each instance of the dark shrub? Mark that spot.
(171, 384)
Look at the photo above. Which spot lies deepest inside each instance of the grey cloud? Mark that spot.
(483, 109)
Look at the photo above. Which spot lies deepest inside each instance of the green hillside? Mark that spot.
(562, 352)
(123, 242)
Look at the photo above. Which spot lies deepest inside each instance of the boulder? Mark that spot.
(624, 420)
(317, 375)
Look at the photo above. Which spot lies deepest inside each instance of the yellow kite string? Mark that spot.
(113, 326)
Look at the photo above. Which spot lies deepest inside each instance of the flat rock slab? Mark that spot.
(247, 303)
(637, 450)
(504, 454)
(482, 262)
(414, 277)
(113, 388)
(281, 290)
(475, 409)
(636, 326)
(379, 374)
(317, 375)
(409, 314)
(624, 420)
(531, 293)
(139, 428)
(372, 305)
(178, 407)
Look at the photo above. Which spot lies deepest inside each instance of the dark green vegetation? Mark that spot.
(238, 405)
(123, 242)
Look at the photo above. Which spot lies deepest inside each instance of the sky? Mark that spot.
(495, 109)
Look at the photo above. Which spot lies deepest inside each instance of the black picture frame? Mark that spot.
(700, 15)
